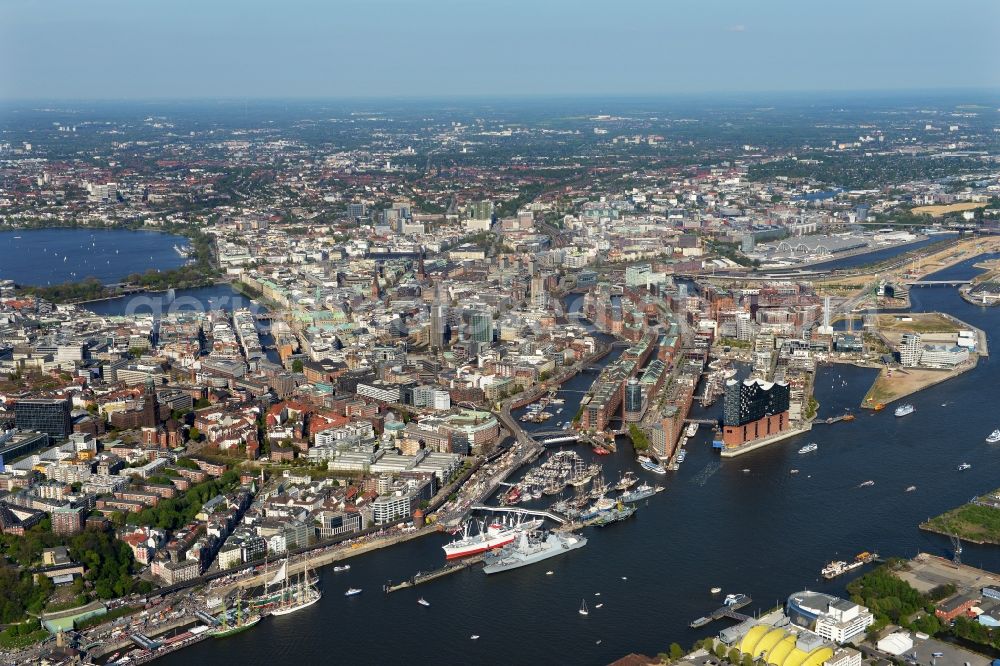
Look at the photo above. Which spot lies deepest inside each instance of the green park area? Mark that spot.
(978, 521)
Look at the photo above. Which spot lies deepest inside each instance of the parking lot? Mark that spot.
(950, 655)
(927, 572)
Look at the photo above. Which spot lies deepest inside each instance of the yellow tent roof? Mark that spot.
(780, 652)
(818, 656)
(765, 644)
(749, 642)
(795, 658)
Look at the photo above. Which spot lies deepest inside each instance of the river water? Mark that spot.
(42, 257)
(765, 533)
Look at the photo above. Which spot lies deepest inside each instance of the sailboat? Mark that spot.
(297, 596)
(583, 609)
(243, 622)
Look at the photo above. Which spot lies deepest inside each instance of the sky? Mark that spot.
(178, 49)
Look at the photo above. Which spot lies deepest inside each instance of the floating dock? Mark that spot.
(726, 611)
(426, 577)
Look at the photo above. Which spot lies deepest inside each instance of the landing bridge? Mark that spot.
(524, 512)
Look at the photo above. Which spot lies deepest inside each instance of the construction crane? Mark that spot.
(956, 547)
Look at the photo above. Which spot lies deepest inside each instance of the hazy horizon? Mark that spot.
(394, 49)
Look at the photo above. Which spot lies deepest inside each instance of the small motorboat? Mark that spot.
(598, 605)
(423, 602)
(474, 637)
(352, 591)
(716, 590)
(583, 609)
(548, 573)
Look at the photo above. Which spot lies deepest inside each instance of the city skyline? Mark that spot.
(445, 49)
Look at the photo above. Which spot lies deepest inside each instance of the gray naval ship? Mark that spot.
(640, 493)
(531, 547)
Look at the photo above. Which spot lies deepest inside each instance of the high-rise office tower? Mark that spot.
(481, 327)
(48, 416)
(539, 294)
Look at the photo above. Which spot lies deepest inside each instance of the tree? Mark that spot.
(676, 651)
(194, 434)
(639, 440)
(734, 656)
(297, 365)
(720, 651)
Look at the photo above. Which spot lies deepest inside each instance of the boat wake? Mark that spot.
(702, 477)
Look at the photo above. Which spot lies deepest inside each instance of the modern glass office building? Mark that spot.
(48, 416)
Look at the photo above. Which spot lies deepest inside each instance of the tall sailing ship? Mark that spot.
(234, 623)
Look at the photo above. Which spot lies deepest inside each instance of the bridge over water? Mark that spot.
(937, 283)
(524, 512)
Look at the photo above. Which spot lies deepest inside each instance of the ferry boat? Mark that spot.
(653, 467)
(839, 567)
(994, 437)
(903, 410)
(809, 448)
(964, 466)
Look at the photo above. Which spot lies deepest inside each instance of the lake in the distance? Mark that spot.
(42, 257)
